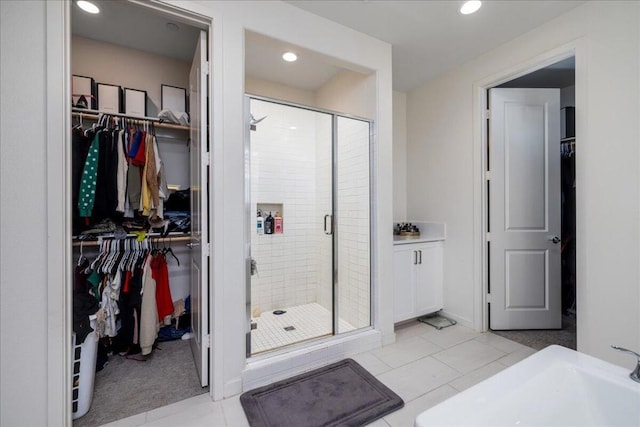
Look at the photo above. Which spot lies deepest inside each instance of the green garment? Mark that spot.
(88, 182)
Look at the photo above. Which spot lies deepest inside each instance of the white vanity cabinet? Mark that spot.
(418, 279)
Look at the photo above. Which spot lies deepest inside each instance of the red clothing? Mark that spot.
(127, 281)
(140, 157)
(160, 274)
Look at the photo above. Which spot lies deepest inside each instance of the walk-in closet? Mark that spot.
(139, 83)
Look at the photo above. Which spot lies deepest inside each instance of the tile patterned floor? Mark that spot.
(424, 366)
(308, 320)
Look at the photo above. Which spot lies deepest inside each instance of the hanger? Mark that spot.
(82, 258)
(170, 251)
(103, 244)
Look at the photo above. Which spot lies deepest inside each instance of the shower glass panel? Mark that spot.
(352, 191)
(291, 291)
(308, 190)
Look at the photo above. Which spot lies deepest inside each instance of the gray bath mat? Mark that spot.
(341, 394)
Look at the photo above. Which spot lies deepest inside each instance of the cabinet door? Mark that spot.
(429, 278)
(404, 263)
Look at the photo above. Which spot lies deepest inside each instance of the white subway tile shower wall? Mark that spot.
(353, 211)
(283, 170)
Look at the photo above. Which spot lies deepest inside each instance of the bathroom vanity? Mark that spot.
(417, 262)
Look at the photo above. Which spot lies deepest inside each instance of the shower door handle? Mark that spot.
(328, 230)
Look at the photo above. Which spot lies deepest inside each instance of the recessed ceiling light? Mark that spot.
(470, 6)
(88, 7)
(289, 56)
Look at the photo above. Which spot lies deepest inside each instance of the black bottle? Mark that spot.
(268, 224)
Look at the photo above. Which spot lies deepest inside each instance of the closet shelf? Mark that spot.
(94, 240)
(93, 115)
(570, 139)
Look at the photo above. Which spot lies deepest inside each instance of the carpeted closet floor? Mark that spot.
(539, 339)
(127, 387)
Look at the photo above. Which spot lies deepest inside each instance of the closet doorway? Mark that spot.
(140, 147)
(530, 192)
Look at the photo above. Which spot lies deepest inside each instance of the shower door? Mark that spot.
(308, 224)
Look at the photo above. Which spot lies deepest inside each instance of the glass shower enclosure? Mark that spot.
(308, 209)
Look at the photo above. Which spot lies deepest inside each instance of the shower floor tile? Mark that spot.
(299, 323)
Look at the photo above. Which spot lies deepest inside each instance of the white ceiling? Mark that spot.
(135, 27)
(263, 60)
(432, 37)
(428, 37)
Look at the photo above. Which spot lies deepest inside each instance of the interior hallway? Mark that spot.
(424, 366)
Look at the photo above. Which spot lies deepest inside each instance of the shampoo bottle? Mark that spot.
(268, 224)
(277, 223)
(260, 223)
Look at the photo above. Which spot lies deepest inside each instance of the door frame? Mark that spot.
(59, 248)
(249, 220)
(575, 48)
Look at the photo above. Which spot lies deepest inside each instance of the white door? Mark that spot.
(199, 216)
(524, 209)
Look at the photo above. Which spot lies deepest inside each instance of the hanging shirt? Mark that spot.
(137, 146)
(123, 167)
(80, 148)
(149, 325)
(149, 193)
(106, 198)
(160, 274)
(87, 196)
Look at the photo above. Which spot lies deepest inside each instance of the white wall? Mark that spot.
(349, 92)
(23, 243)
(34, 304)
(399, 157)
(283, 22)
(442, 162)
(275, 90)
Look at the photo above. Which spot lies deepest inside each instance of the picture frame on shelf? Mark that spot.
(83, 92)
(173, 98)
(109, 98)
(135, 102)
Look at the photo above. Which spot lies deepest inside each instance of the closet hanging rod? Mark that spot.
(94, 241)
(93, 114)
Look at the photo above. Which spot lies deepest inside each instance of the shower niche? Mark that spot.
(269, 219)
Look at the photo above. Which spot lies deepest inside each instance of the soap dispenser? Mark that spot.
(268, 224)
(260, 223)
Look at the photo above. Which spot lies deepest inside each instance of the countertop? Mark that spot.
(429, 232)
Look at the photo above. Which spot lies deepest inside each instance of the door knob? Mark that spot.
(554, 239)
